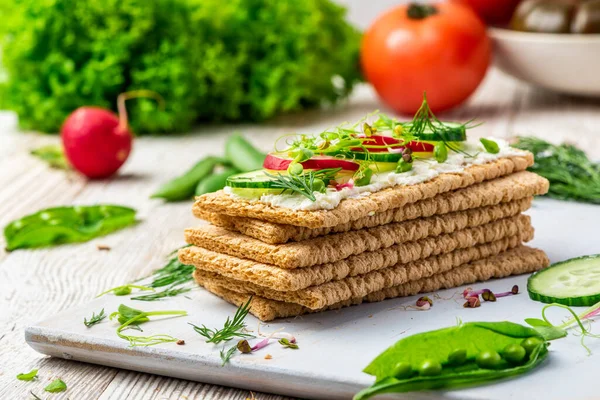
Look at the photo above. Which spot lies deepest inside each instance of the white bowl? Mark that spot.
(561, 62)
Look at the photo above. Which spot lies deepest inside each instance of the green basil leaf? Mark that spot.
(56, 386)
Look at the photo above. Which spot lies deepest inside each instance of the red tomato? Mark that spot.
(445, 54)
(497, 12)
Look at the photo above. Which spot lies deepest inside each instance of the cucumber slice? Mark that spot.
(254, 193)
(455, 133)
(376, 157)
(574, 282)
(253, 180)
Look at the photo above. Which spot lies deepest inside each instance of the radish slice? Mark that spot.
(280, 162)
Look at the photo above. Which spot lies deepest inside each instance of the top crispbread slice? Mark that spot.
(352, 209)
(505, 189)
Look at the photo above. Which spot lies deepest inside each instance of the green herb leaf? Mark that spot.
(95, 319)
(490, 146)
(287, 344)
(231, 329)
(29, 376)
(170, 292)
(56, 386)
(53, 155)
(305, 184)
(571, 174)
(131, 317)
(125, 290)
(536, 322)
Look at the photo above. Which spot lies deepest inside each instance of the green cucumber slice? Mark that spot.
(455, 133)
(254, 193)
(253, 180)
(574, 282)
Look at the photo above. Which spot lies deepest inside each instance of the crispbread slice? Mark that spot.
(520, 260)
(331, 248)
(355, 208)
(276, 278)
(320, 296)
(519, 186)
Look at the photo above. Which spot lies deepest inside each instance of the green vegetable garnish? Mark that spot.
(226, 355)
(490, 146)
(56, 386)
(129, 317)
(29, 376)
(53, 155)
(95, 319)
(170, 292)
(59, 225)
(571, 174)
(210, 60)
(305, 184)
(231, 329)
(125, 290)
(440, 152)
(453, 357)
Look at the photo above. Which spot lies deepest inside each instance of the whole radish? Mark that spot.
(96, 141)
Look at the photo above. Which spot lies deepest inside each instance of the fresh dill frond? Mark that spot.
(96, 318)
(231, 329)
(226, 355)
(170, 292)
(306, 183)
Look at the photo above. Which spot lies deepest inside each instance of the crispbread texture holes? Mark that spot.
(331, 248)
(515, 188)
(521, 260)
(360, 207)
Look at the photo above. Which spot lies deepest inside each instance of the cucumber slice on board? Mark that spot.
(454, 133)
(574, 282)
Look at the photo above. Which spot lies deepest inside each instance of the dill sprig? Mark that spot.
(305, 183)
(231, 329)
(169, 292)
(173, 273)
(96, 318)
(226, 355)
(571, 174)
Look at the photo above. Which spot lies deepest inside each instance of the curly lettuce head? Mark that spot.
(211, 60)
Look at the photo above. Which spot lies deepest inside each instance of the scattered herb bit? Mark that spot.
(125, 290)
(70, 224)
(95, 319)
(490, 146)
(472, 302)
(53, 155)
(56, 386)
(244, 347)
(231, 329)
(488, 295)
(268, 357)
(102, 247)
(173, 273)
(306, 183)
(29, 376)
(170, 292)
(452, 357)
(129, 317)
(180, 342)
(35, 396)
(288, 344)
(424, 303)
(571, 174)
(226, 355)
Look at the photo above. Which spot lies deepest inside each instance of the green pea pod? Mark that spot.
(435, 347)
(66, 225)
(215, 182)
(184, 186)
(243, 155)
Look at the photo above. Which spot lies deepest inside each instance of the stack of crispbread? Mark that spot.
(455, 229)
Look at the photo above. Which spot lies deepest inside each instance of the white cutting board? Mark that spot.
(335, 346)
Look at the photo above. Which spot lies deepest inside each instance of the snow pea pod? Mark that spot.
(215, 182)
(66, 225)
(184, 186)
(243, 155)
(483, 343)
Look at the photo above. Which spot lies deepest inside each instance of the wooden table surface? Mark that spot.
(35, 284)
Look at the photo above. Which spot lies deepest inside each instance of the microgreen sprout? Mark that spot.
(472, 302)
(125, 290)
(129, 317)
(424, 303)
(288, 344)
(244, 347)
(488, 295)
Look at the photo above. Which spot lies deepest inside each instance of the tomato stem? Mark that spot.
(420, 11)
(123, 97)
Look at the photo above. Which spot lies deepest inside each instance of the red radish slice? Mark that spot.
(420, 147)
(280, 162)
